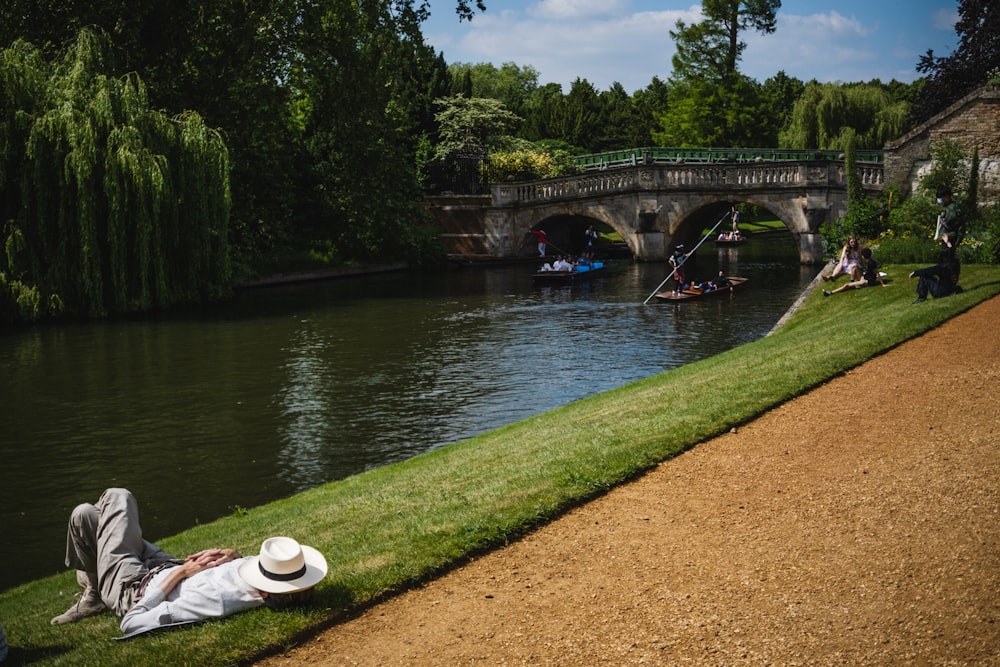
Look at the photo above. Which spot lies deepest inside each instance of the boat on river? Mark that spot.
(579, 272)
(731, 239)
(692, 293)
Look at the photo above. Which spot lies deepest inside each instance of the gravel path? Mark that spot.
(858, 524)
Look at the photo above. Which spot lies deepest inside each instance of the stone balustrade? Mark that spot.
(737, 177)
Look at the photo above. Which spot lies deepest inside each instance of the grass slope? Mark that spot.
(389, 528)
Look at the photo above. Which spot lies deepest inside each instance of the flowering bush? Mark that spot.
(526, 164)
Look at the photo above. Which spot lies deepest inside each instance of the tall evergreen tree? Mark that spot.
(711, 100)
(712, 48)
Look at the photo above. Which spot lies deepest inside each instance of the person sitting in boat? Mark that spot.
(562, 264)
(720, 281)
(546, 267)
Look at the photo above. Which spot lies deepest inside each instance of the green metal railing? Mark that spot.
(659, 155)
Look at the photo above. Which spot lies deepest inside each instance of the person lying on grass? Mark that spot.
(150, 589)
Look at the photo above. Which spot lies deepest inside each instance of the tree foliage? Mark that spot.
(226, 60)
(711, 49)
(510, 83)
(702, 113)
(109, 206)
(974, 63)
(473, 125)
(825, 114)
(711, 101)
(267, 72)
(366, 83)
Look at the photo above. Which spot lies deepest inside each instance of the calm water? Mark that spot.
(284, 389)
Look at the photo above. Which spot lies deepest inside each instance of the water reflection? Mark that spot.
(305, 409)
(287, 388)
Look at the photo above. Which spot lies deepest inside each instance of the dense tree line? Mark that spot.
(332, 118)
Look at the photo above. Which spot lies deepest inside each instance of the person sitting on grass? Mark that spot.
(869, 278)
(849, 263)
(149, 589)
(942, 278)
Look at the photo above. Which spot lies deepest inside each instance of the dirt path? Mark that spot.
(856, 525)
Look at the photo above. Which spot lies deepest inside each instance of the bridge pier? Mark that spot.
(810, 248)
(650, 245)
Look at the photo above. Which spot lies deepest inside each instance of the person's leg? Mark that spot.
(940, 287)
(81, 554)
(123, 556)
(924, 285)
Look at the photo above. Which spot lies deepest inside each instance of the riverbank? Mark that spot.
(397, 526)
(854, 525)
(324, 274)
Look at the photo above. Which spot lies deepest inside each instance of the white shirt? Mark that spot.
(212, 593)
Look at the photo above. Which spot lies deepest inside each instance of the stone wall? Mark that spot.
(972, 121)
(460, 219)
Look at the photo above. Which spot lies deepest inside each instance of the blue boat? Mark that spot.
(579, 272)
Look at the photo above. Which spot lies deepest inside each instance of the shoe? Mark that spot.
(826, 278)
(89, 604)
(827, 292)
(920, 299)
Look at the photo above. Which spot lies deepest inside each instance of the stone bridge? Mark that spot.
(652, 206)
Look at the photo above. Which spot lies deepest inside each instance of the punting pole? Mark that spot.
(660, 286)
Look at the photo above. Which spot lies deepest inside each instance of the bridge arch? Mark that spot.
(565, 229)
(703, 213)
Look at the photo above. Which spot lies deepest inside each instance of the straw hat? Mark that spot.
(284, 566)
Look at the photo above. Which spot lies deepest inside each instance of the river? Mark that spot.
(281, 389)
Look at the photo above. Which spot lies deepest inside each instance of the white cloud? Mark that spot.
(945, 19)
(825, 46)
(576, 9)
(628, 47)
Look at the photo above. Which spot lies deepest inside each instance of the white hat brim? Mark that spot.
(316, 567)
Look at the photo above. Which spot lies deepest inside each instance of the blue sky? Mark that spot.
(628, 41)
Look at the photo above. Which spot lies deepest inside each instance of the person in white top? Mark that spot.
(150, 589)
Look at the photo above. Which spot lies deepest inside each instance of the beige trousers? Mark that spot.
(104, 542)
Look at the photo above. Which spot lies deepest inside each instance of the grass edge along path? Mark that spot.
(398, 525)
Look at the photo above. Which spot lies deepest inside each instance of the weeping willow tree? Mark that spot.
(108, 206)
(825, 112)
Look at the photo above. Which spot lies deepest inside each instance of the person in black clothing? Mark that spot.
(718, 282)
(942, 278)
